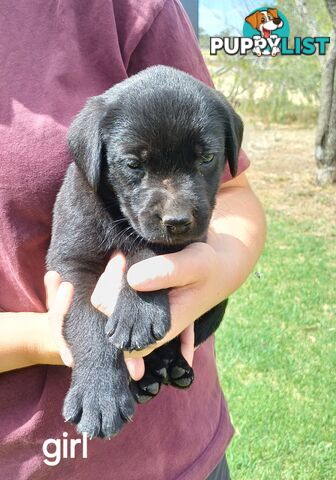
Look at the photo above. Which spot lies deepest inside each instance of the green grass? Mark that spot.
(276, 358)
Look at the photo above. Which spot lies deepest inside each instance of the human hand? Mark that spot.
(59, 298)
(35, 338)
(192, 277)
(191, 273)
(104, 298)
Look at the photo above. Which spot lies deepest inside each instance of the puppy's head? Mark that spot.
(156, 144)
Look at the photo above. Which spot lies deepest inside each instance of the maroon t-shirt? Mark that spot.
(53, 55)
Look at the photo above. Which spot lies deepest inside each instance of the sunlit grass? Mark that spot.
(277, 358)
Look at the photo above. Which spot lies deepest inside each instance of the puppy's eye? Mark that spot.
(206, 158)
(134, 164)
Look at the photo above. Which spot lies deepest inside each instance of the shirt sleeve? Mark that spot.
(171, 41)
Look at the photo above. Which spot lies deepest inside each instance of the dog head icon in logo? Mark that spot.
(265, 21)
(270, 25)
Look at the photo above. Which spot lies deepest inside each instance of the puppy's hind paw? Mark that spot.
(145, 389)
(180, 374)
(169, 366)
(166, 366)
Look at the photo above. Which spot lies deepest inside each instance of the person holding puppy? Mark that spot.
(55, 55)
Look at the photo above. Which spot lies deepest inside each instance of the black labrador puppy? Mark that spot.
(148, 158)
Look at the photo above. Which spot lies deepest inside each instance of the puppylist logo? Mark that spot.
(266, 33)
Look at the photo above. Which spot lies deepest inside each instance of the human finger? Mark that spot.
(107, 289)
(172, 270)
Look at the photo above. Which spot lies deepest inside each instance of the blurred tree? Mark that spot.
(325, 152)
(203, 38)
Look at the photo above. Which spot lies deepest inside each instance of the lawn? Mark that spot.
(276, 347)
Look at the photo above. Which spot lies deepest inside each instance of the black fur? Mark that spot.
(142, 182)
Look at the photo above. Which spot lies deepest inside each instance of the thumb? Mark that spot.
(52, 281)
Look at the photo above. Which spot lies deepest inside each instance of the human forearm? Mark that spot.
(237, 234)
(25, 339)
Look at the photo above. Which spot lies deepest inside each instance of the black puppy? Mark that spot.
(148, 158)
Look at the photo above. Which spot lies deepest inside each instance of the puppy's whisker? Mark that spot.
(107, 240)
(120, 234)
(137, 241)
(119, 220)
(125, 234)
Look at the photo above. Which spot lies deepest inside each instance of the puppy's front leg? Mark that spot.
(139, 318)
(99, 400)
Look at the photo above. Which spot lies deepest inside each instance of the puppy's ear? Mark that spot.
(85, 140)
(233, 131)
(233, 141)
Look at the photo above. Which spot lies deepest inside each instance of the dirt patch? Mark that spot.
(282, 173)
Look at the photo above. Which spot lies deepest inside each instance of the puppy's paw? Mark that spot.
(180, 373)
(165, 365)
(139, 319)
(145, 389)
(99, 403)
(168, 364)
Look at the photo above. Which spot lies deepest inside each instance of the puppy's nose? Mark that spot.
(177, 224)
(277, 21)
